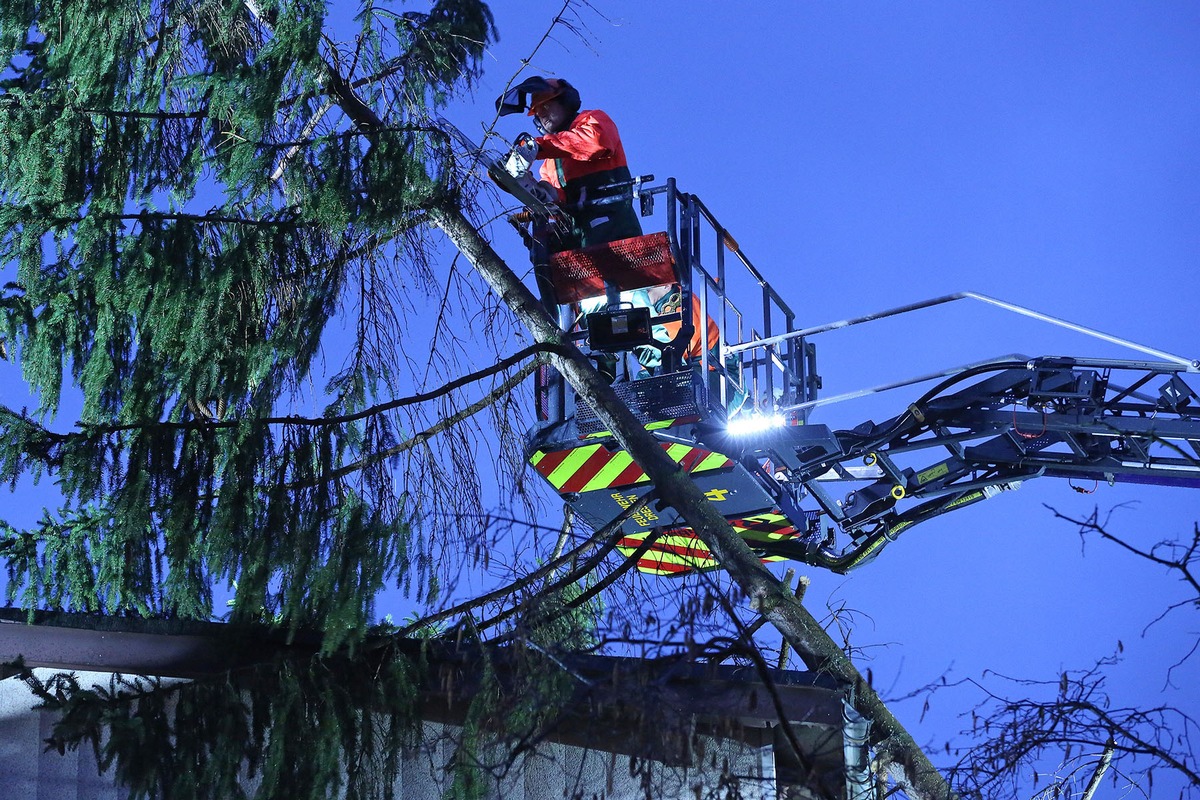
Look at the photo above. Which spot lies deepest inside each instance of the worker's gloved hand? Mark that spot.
(671, 304)
(648, 357)
(544, 191)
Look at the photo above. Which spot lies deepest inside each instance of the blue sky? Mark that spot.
(871, 154)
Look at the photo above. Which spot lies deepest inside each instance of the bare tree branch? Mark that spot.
(419, 438)
(597, 538)
(1072, 712)
(1179, 557)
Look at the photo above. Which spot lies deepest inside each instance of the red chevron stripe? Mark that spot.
(654, 565)
(694, 457)
(550, 461)
(587, 470)
(629, 476)
(686, 551)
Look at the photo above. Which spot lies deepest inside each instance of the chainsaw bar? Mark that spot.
(521, 188)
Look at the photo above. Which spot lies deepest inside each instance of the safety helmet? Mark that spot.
(558, 88)
(539, 90)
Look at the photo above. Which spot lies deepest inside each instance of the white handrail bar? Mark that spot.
(1191, 365)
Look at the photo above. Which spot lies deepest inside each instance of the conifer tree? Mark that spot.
(185, 206)
(191, 196)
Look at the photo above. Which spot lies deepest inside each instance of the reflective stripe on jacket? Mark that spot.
(590, 145)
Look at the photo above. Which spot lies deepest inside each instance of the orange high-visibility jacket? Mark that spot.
(589, 146)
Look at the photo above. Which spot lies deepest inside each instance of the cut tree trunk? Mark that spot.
(766, 593)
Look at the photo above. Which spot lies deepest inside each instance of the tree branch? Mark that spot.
(598, 537)
(380, 408)
(1178, 563)
(443, 424)
(1101, 768)
(764, 591)
(1020, 730)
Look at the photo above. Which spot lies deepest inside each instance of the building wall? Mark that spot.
(726, 768)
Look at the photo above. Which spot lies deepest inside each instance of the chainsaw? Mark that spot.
(511, 171)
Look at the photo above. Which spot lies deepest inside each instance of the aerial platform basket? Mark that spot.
(691, 386)
(671, 399)
(624, 265)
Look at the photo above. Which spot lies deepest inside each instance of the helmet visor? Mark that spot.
(535, 90)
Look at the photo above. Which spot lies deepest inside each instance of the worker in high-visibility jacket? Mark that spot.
(582, 153)
(664, 300)
(668, 300)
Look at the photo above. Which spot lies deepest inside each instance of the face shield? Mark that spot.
(526, 94)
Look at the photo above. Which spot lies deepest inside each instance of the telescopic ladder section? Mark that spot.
(983, 431)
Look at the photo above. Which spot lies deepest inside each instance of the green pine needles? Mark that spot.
(194, 197)
(187, 200)
(291, 727)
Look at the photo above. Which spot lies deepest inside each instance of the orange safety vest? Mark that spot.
(588, 146)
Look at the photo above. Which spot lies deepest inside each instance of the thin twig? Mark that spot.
(549, 567)
(443, 424)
